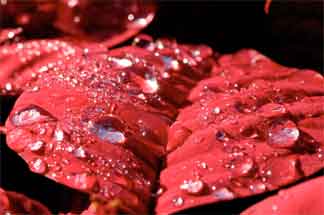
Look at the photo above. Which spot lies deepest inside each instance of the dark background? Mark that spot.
(292, 33)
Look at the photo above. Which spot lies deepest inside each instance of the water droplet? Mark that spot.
(257, 188)
(83, 181)
(203, 165)
(123, 63)
(38, 166)
(59, 135)
(223, 194)
(283, 134)
(243, 166)
(130, 17)
(193, 187)
(274, 207)
(170, 63)
(160, 191)
(144, 41)
(221, 136)
(72, 3)
(216, 110)
(151, 85)
(35, 89)
(178, 201)
(8, 87)
(109, 129)
(80, 152)
(37, 146)
(29, 116)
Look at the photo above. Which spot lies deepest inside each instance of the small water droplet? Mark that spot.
(8, 87)
(257, 188)
(221, 136)
(193, 187)
(59, 135)
(37, 146)
(203, 165)
(216, 110)
(83, 181)
(243, 166)
(144, 41)
(38, 166)
(160, 191)
(151, 85)
(177, 201)
(80, 152)
(274, 207)
(283, 134)
(123, 63)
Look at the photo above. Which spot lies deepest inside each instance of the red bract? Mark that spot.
(98, 122)
(23, 62)
(15, 203)
(254, 126)
(304, 198)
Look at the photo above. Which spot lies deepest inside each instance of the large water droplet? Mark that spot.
(283, 134)
(109, 129)
(193, 187)
(30, 115)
